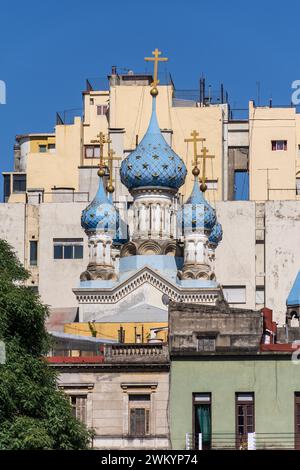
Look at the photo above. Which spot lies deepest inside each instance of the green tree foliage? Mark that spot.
(33, 413)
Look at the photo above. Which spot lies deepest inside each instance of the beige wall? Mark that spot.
(267, 124)
(108, 405)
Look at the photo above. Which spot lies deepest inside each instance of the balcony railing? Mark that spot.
(151, 353)
(250, 441)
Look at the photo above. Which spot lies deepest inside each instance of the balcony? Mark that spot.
(156, 353)
(250, 441)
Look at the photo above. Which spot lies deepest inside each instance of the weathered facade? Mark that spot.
(227, 390)
(122, 394)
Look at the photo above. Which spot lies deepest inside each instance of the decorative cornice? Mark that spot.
(205, 295)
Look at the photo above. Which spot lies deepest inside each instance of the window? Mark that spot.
(260, 295)
(244, 404)
(33, 248)
(19, 183)
(202, 420)
(101, 110)
(279, 144)
(51, 148)
(241, 185)
(92, 151)
(206, 344)
(139, 415)
(235, 294)
(212, 184)
(42, 148)
(78, 403)
(6, 187)
(68, 248)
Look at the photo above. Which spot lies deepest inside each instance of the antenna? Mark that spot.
(258, 92)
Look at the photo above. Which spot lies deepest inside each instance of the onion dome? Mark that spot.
(197, 212)
(216, 235)
(100, 215)
(153, 163)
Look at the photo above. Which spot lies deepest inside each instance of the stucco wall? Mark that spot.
(107, 406)
(12, 217)
(273, 382)
(282, 253)
(235, 255)
(59, 276)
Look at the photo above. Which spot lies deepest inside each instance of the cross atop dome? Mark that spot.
(155, 59)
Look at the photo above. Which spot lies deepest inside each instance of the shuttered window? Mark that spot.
(139, 415)
(78, 403)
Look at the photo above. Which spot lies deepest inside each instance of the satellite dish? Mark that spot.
(165, 299)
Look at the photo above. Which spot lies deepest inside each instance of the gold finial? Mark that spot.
(101, 140)
(204, 156)
(110, 159)
(195, 139)
(155, 59)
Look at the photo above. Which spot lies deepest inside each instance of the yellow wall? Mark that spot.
(46, 170)
(110, 330)
(35, 142)
(267, 124)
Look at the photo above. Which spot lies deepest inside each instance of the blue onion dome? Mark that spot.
(216, 235)
(153, 163)
(100, 215)
(197, 212)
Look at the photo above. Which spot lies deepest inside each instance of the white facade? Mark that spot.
(253, 244)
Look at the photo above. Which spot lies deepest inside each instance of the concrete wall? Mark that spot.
(59, 276)
(282, 253)
(12, 226)
(239, 259)
(235, 255)
(273, 382)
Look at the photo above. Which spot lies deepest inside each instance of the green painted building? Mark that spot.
(227, 389)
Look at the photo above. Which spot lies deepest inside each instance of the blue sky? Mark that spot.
(48, 48)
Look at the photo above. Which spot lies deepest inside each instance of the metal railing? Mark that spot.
(57, 196)
(68, 115)
(250, 441)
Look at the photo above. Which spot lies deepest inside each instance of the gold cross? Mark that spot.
(204, 156)
(102, 139)
(110, 159)
(156, 59)
(195, 140)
